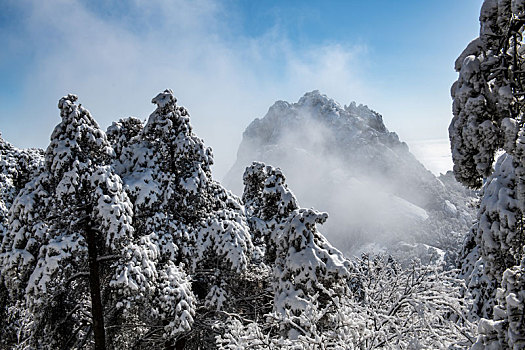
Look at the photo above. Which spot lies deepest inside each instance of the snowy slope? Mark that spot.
(343, 160)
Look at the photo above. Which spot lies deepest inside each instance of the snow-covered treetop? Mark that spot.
(77, 137)
(488, 93)
(122, 133)
(14, 160)
(266, 195)
(169, 127)
(19, 164)
(163, 121)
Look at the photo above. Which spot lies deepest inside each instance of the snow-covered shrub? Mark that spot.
(386, 307)
(416, 306)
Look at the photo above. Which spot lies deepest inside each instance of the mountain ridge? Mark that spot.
(344, 160)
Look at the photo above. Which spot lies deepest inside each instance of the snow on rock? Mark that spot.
(343, 160)
(450, 208)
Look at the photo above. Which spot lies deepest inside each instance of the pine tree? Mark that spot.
(488, 116)
(190, 228)
(307, 271)
(17, 167)
(154, 290)
(67, 229)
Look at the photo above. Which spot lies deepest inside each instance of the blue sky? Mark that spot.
(228, 61)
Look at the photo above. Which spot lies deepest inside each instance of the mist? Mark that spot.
(116, 57)
(361, 209)
(345, 162)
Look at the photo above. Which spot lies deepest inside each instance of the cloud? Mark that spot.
(333, 69)
(116, 59)
(434, 154)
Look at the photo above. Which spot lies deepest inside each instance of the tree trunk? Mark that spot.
(97, 311)
(180, 344)
(168, 345)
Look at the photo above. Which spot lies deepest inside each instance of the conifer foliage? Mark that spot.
(17, 167)
(66, 230)
(123, 240)
(188, 226)
(307, 271)
(488, 116)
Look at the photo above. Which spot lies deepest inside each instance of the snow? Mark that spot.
(434, 154)
(343, 160)
(450, 208)
(181, 254)
(406, 208)
(164, 98)
(488, 125)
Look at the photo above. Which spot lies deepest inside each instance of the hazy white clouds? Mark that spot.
(434, 154)
(117, 59)
(337, 71)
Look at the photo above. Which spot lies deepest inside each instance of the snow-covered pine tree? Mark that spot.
(507, 329)
(192, 227)
(268, 203)
(17, 167)
(500, 238)
(121, 134)
(482, 95)
(308, 273)
(67, 229)
(488, 116)
(500, 247)
(154, 291)
(488, 99)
